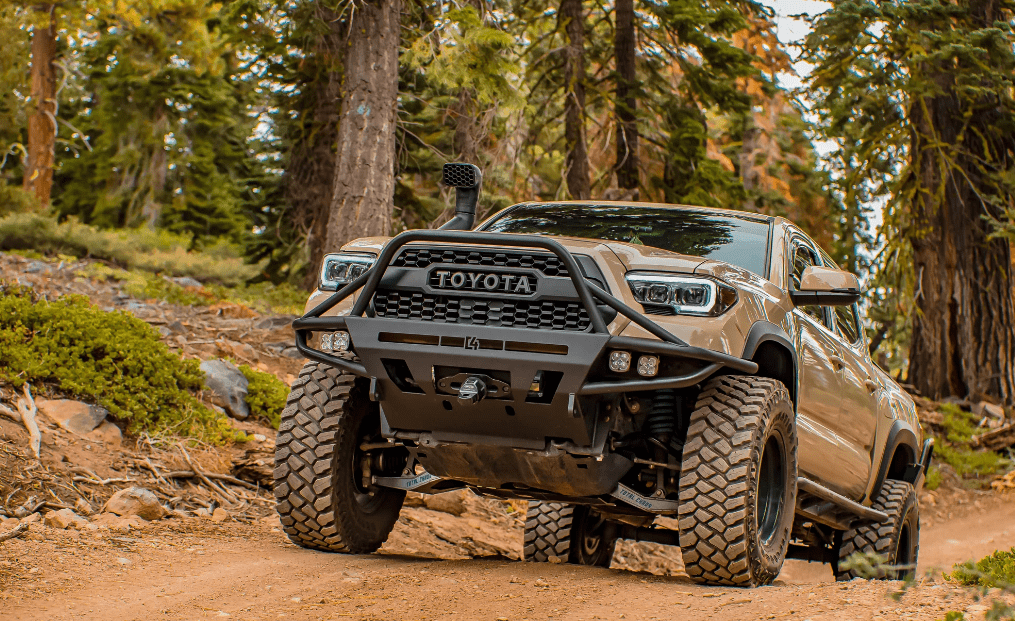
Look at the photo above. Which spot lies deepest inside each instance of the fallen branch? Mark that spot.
(11, 534)
(186, 474)
(103, 481)
(219, 491)
(9, 413)
(28, 411)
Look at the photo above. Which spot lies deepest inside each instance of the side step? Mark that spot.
(820, 504)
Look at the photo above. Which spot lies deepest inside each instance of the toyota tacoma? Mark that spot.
(611, 363)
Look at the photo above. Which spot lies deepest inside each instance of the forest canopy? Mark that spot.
(250, 122)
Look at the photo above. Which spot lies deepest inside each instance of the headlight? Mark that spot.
(684, 295)
(341, 269)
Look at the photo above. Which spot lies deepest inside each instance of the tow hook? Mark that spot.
(473, 391)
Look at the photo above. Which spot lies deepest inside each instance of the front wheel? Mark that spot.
(323, 485)
(738, 482)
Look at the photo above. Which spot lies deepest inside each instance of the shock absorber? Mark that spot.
(661, 425)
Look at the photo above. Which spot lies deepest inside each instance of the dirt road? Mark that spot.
(194, 569)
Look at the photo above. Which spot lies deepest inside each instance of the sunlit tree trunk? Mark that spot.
(363, 198)
(38, 179)
(626, 92)
(577, 161)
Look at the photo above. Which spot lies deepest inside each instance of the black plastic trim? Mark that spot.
(899, 434)
(764, 331)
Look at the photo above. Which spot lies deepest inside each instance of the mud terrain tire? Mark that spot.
(561, 533)
(897, 540)
(738, 482)
(320, 497)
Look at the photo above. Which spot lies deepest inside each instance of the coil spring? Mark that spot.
(661, 421)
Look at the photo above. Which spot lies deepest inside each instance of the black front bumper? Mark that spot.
(403, 360)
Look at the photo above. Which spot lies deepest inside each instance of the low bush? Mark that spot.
(153, 250)
(266, 395)
(995, 570)
(954, 449)
(112, 359)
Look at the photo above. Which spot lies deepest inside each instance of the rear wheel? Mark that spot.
(562, 533)
(896, 542)
(326, 499)
(738, 482)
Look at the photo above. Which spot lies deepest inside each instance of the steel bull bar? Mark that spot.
(586, 346)
(588, 293)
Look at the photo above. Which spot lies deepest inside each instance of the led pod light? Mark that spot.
(686, 295)
(343, 268)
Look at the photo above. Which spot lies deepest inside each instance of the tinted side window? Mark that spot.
(804, 257)
(846, 320)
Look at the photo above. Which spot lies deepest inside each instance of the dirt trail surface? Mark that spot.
(193, 569)
(452, 556)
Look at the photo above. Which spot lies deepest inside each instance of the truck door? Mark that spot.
(819, 400)
(858, 417)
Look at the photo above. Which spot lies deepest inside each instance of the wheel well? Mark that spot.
(776, 362)
(901, 458)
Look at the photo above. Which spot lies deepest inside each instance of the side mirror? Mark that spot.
(826, 286)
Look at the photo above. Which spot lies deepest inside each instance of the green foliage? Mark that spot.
(150, 249)
(112, 359)
(960, 426)
(933, 478)
(266, 395)
(994, 570)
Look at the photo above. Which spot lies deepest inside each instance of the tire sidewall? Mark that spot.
(910, 518)
(767, 558)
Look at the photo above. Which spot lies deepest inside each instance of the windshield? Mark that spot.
(741, 241)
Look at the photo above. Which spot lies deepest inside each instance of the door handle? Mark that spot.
(871, 384)
(837, 361)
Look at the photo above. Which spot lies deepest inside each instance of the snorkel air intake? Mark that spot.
(466, 179)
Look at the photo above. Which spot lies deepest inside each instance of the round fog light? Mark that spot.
(620, 361)
(648, 366)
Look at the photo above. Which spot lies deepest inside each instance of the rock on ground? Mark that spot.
(74, 416)
(228, 386)
(135, 501)
(448, 502)
(64, 518)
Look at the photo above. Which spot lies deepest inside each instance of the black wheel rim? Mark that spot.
(592, 534)
(771, 489)
(904, 553)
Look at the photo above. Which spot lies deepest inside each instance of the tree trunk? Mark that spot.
(627, 102)
(363, 199)
(963, 333)
(572, 18)
(310, 173)
(38, 178)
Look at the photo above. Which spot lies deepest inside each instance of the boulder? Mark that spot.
(135, 501)
(74, 416)
(272, 323)
(448, 502)
(228, 387)
(64, 518)
(107, 433)
(219, 515)
(83, 507)
(186, 281)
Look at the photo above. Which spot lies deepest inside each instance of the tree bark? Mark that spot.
(627, 102)
(962, 342)
(310, 174)
(363, 198)
(38, 178)
(572, 18)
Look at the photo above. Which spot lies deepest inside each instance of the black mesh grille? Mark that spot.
(546, 315)
(548, 264)
(459, 175)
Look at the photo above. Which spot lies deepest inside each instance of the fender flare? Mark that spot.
(766, 331)
(900, 434)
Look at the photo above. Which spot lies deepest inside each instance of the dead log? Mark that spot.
(11, 534)
(28, 411)
(1000, 438)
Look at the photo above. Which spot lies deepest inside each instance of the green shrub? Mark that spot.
(266, 395)
(995, 570)
(933, 478)
(112, 359)
(153, 250)
(971, 463)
